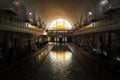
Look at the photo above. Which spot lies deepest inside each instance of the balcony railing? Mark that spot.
(110, 22)
(10, 21)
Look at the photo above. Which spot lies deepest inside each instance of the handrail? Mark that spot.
(107, 22)
(12, 21)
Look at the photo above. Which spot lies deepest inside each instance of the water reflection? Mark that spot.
(60, 64)
(60, 59)
(60, 56)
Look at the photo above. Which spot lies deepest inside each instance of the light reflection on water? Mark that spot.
(60, 64)
(60, 56)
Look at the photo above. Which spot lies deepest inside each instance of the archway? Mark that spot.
(60, 24)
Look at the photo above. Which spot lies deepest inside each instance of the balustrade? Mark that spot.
(13, 21)
(109, 21)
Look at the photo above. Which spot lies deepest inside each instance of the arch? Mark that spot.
(60, 24)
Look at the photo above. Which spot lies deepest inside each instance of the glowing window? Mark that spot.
(60, 24)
